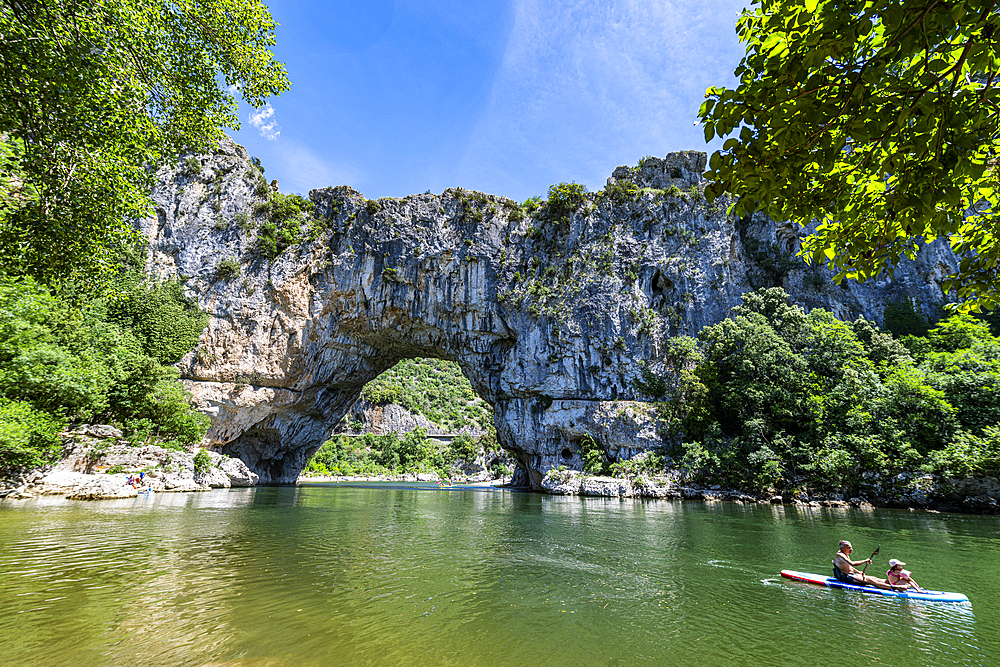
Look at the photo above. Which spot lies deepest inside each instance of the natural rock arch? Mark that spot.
(547, 318)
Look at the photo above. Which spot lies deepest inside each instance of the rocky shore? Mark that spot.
(98, 461)
(974, 495)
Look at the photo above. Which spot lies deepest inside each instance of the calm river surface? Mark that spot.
(330, 574)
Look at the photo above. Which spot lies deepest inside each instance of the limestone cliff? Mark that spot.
(547, 313)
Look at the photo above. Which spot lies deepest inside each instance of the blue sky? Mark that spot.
(395, 97)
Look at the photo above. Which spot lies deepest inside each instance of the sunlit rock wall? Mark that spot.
(548, 319)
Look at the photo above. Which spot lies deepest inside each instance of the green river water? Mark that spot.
(331, 574)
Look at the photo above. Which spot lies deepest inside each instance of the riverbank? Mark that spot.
(418, 477)
(98, 462)
(974, 495)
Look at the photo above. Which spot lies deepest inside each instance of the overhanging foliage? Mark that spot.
(880, 119)
(92, 93)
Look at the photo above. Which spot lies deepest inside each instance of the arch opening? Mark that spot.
(357, 420)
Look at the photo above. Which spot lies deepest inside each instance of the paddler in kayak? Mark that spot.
(900, 578)
(843, 569)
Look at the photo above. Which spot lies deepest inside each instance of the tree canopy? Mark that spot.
(93, 93)
(877, 118)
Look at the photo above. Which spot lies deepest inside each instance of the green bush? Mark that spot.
(434, 388)
(641, 465)
(166, 324)
(54, 379)
(564, 200)
(283, 227)
(29, 438)
(202, 461)
(921, 413)
(466, 447)
(382, 392)
(80, 357)
(622, 192)
(531, 204)
(227, 269)
(959, 332)
(594, 459)
(267, 240)
(968, 455)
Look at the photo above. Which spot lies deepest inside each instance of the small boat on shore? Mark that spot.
(909, 594)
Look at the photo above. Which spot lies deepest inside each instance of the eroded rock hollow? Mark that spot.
(547, 312)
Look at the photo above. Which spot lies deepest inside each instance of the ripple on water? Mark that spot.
(320, 575)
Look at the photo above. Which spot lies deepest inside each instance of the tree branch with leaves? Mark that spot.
(878, 121)
(95, 93)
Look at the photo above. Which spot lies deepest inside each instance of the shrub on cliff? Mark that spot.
(202, 461)
(595, 460)
(564, 200)
(466, 447)
(434, 388)
(285, 215)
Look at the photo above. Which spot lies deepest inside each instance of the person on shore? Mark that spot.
(844, 570)
(900, 578)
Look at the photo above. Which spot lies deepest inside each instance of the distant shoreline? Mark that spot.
(305, 479)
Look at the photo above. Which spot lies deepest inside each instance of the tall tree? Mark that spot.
(93, 93)
(878, 118)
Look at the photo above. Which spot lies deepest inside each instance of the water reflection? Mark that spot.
(403, 574)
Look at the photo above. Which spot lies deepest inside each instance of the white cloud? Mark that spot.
(585, 86)
(265, 122)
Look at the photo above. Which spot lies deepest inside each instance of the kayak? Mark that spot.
(909, 594)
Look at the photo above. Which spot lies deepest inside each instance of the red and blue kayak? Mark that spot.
(909, 594)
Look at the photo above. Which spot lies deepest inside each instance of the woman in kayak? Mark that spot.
(900, 578)
(843, 569)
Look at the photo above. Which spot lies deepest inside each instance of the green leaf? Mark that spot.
(117, 86)
(818, 78)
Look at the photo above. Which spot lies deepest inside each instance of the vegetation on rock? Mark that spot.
(774, 398)
(391, 454)
(434, 388)
(282, 227)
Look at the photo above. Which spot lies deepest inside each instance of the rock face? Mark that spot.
(380, 419)
(547, 313)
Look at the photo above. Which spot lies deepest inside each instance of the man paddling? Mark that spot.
(843, 569)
